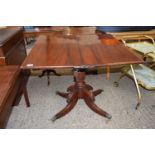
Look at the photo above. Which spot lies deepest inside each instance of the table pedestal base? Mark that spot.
(48, 71)
(80, 90)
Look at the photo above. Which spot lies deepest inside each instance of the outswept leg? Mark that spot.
(90, 103)
(80, 90)
(68, 107)
(64, 95)
(97, 92)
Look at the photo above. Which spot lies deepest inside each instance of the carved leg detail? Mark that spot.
(71, 88)
(90, 94)
(68, 108)
(80, 90)
(97, 92)
(95, 108)
(89, 87)
(65, 95)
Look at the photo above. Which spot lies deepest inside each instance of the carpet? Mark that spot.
(119, 101)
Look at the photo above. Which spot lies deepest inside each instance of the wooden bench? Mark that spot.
(12, 84)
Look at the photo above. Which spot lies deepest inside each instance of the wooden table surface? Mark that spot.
(8, 74)
(74, 51)
(78, 51)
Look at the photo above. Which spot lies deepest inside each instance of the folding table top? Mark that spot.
(78, 51)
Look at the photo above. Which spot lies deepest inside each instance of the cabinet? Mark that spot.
(12, 54)
(12, 46)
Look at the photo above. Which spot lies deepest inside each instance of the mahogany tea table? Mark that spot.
(79, 52)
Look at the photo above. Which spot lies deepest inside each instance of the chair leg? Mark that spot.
(137, 87)
(108, 73)
(116, 83)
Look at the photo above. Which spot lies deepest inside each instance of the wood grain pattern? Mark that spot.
(80, 90)
(8, 88)
(74, 51)
(8, 74)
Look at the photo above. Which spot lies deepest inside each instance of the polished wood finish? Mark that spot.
(80, 90)
(79, 52)
(12, 46)
(11, 85)
(72, 51)
(7, 77)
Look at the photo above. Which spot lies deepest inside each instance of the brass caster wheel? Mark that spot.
(137, 106)
(54, 118)
(108, 116)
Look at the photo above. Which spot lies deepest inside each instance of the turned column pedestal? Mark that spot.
(80, 90)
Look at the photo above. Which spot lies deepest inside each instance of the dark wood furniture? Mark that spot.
(12, 46)
(79, 52)
(11, 85)
(12, 81)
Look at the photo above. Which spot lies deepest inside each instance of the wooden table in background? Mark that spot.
(131, 35)
(79, 52)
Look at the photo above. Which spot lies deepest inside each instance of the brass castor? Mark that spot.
(54, 119)
(137, 106)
